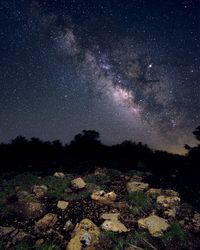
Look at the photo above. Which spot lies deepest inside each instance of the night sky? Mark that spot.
(128, 69)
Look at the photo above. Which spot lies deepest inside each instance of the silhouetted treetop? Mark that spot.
(197, 133)
(86, 137)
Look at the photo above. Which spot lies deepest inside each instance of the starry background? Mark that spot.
(129, 69)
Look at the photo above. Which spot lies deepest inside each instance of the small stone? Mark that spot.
(170, 192)
(39, 242)
(4, 231)
(59, 175)
(155, 225)
(62, 204)
(154, 191)
(39, 191)
(196, 220)
(68, 226)
(112, 223)
(168, 201)
(135, 186)
(171, 213)
(78, 183)
(100, 171)
(110, 216)
(48, 221)
(103, 197)
(114, 226)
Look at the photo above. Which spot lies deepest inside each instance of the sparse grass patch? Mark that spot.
(111, 240)
(5, 192)
(47, 246)
(56, 186)
(137, 237)
(25, 181)
(78, 196)
(113, 172)
(22, 246)
(118, 241)
(135, 172)
(140, 202)
(99, 180)
(175, 232)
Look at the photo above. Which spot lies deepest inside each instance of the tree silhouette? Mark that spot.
(87, 137)
(197, 133)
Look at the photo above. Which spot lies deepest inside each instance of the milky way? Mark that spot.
(124, 70)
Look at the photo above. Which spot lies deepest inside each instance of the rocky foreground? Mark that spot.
(102, 210)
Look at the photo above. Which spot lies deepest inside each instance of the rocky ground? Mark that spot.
(102, 210)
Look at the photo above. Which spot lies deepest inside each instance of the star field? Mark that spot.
(128, 69)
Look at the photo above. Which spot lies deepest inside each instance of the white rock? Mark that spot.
(112, 223)
(62, 204)
(78, 183)
(59, 175)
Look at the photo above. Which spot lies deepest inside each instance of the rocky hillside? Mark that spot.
(102, 210)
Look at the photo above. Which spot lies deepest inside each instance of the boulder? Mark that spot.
(112, 223)
(48, 221)
(103, 197)
(59, 175)
(85, 236)
(39, 191)
(155, 225)
(62, 204)
(135, 186)
(78, 183)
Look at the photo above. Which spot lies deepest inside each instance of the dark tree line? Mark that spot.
(86, 151)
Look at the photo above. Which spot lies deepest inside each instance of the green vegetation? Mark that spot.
(56, 186)
(113, 172)
(175, 232)
(137, 237)
(78, 196)
(99, 180)
(120, 241)
(140, 202)
(45, 246)
(135, 172)
(24, 181)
